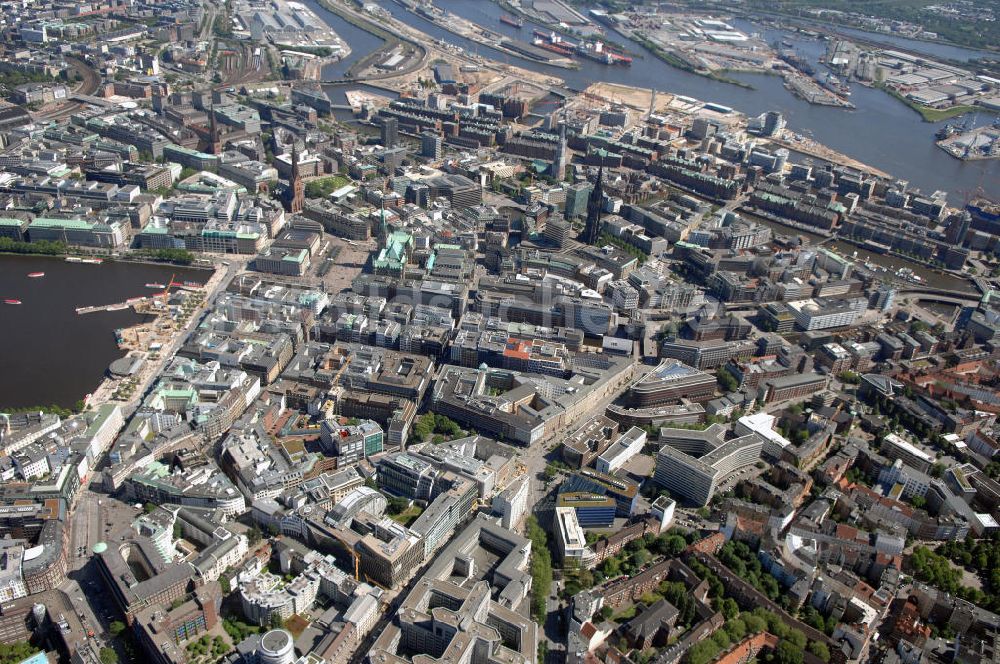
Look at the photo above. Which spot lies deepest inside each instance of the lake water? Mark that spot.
(50, 354)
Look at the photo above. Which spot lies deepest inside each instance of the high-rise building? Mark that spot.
(774, 124)
(595, 203)
(557, 231)
(576, 199)
(430, 145)
(390, 132)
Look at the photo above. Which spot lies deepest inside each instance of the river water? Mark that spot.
(882, 132)
(50, 354)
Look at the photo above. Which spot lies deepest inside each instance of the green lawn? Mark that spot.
(408, 516)
(323, 187)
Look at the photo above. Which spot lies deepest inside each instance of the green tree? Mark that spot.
(736, 628)
(116, 627)
(726, 381)
(397, 505)
(424, 426)
(277, 622)
(541, 569)
(108, 656)
(788, 653)
(611, 567)
(729, 608)
(16, 651)
(44, 247)
(819, 649)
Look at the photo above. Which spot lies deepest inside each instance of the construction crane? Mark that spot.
(340, 371)
(370, 580)
(166, 291)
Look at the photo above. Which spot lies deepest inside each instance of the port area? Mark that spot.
(936, 89)
(810, 90)
(290, 26)
(468, 69)
(477, 33)
(710, 46)
(974, 144)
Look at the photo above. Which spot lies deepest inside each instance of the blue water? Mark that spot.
(881, 132)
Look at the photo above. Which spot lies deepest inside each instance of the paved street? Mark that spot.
(95, 515)
(540, 454)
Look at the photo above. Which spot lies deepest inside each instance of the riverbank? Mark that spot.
(353, 19)
(679, 63)
(807, 146)
(47, 249)
(832, 26)
(558, 29)
(926, 112)
(478, 34)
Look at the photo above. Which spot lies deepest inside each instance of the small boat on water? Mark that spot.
(74, 259)
(36, 275)
(154, 285)
(12, 301)
(192, 284)
(92, 261)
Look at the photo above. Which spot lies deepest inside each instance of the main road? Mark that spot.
(93, 510)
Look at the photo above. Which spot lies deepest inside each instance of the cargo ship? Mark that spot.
(561, 49)
(36, 275)
(798, 61)
(946, 131)
(833, 84)
(512, 21)
(598, 52)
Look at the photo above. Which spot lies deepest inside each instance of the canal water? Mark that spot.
(50, 354)
(881, 132)
(932, 278)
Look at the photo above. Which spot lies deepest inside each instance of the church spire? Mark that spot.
(296, 195)
(215, 144)
(592, 231)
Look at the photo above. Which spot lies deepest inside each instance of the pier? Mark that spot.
(140, 301)
(117, 306)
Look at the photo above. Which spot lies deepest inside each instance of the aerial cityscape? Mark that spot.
(499, 332)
